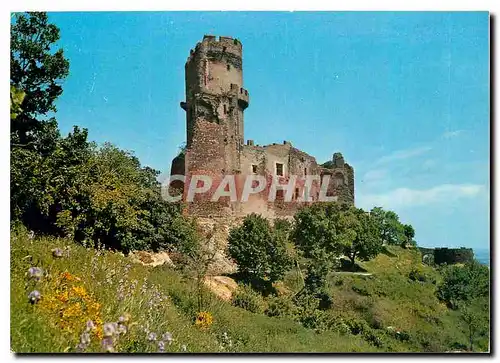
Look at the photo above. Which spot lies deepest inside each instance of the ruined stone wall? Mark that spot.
(214, 105)
(453, 255)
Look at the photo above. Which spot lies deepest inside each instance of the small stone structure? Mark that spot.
(215, 105)
(446, 255)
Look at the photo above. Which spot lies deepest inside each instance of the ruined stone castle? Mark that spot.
(215, 104)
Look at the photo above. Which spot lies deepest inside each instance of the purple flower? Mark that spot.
(167, 337)
(161, 346)
(123, 319)
(107, 344)
(109, 329)
(85, 338)
(57, 252)
(152, 337)
(36, 273)
(122, 329)
(34, 296)
(89, 325)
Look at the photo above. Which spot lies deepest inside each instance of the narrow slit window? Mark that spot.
(279, 169)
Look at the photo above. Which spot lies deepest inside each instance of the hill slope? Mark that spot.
(391, 312)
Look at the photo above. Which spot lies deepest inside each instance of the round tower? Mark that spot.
(215, 102)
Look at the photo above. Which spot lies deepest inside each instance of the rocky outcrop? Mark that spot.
(151, 259)
(222, 286)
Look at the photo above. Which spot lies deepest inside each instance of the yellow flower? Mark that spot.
(80, 291)
(204, 319)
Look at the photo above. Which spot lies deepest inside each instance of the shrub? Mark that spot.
(417, 275)
(464, 283)
(259, 250)
(280, 306)
(246, 298)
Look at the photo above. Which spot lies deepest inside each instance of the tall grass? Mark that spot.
(145, 303)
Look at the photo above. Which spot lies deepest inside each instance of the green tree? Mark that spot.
(464, 283)
(258, 249)
(16, 99)
(409, 234)
(315, 231)
(391, 229)
(38, 68)
(474, 316)
(318, 238)
(45, 183)
(360, 234)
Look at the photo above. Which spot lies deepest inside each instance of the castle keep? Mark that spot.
(215, 104)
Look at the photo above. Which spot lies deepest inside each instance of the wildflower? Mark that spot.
(152, 337)
(34, 296)
(35, 272)
(57, 252)
(167, 337)
(107, 344)
(31, 235)
(89, 326)
(69, 277)
(161, 346)
(204, 320)
(85, 338)
(183, 348)
(124, 318)
(122, 329)
(109, 329)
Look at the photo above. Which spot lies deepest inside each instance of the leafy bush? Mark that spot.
(280, 306)
(464, 283)
(246, 298)
(259, 250)
(417, 275)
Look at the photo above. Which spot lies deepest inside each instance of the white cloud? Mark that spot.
(403, 154)
(405, 197)
(451, 134)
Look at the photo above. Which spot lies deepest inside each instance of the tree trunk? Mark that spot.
(353, 255)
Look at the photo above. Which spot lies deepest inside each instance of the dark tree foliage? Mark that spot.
(68, 186)
(258, 249)
(36, 69)
(316, 232)
(464, 283)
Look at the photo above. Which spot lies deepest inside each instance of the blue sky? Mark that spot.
(404, 96)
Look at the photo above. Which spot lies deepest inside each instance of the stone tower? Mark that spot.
(215, 103)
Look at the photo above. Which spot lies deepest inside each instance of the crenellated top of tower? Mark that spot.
(212, 46)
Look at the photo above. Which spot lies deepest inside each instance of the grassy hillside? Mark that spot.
(392, 312)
